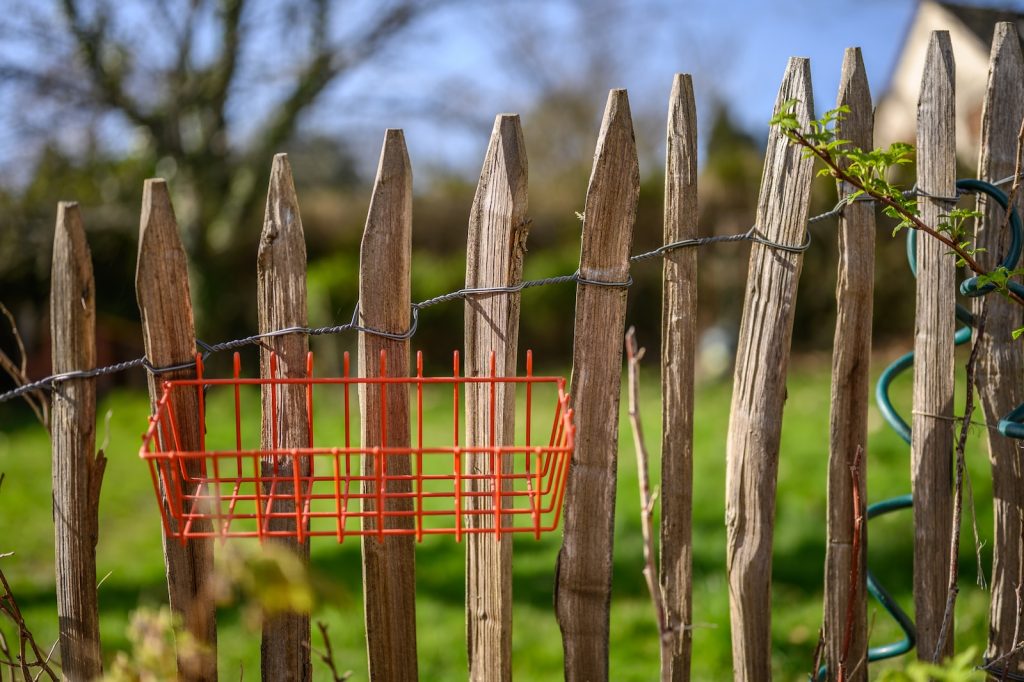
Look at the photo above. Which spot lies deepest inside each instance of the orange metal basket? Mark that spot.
(341, 490)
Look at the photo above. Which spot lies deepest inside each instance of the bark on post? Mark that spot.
(850, 387)
(495, 249)
(584, 571)
(678, 350)
(385, 264)
(281, 295)
(169, 336)
(1001, 359)
(932, 436)
(759, 389)
(77, 471)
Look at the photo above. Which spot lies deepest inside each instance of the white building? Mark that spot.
(970, 31)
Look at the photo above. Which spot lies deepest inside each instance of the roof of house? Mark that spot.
(982, 20)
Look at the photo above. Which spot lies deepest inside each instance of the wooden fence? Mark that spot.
(497, 236)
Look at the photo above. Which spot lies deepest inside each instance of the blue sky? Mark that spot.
(444, 82)
(736, 51)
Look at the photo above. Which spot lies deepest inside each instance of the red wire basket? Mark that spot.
(341, 490)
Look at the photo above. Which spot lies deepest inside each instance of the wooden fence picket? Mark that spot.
(281, 296)
(932, 432)
(678, 351)
(584, 570)
(1001, 358)
(849, 404)
(169, 337)
(759, 389)
(77, 471)
(393, 471)
(495, 248)
(385, 266)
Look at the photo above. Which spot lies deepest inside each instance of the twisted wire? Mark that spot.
(752, 235)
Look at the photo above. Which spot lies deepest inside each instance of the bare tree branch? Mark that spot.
(92, 42)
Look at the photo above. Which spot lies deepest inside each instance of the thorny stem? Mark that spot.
(819, 651)
(858, 526)
(1016, 594)
(633, 356)
(991, 665)
(1016, 178)
(916, 222)
(958, 496)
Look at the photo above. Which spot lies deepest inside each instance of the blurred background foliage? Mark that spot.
(105, 105)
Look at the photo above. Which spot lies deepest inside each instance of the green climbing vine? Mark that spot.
(868, 172)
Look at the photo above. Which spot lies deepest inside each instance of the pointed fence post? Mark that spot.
(849, 411)
(759, 388)
(169, 336)
(77, 470)
(495, 248)
(678, 350)
(281, 295)
(932, 429)
(389, 564)
(584, 572)
(1001, 358)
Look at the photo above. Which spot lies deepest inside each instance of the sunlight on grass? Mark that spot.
(129, 547)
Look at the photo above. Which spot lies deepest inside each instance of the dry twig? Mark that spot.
(327, 655)
(29, 659)
(17, 371)
(647, 499)
(26, 640)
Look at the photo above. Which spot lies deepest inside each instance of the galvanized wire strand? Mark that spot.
(751, 235)
(50, 382)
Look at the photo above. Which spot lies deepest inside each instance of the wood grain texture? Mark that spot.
(1001, 359)
(169, 337)
(495, 248)
(281, 296)
(932, 437)
(678, 350)
(385, 266)
(851, 354)
(759, 388)
(77, 473)
(583, 580)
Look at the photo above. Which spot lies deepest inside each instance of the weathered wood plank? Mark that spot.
(849, 405)
(584, 571)
(385, 266)
(281, 296)
(495, 248)
(77, 472)
(932, 439)
(168, 333)
(678, 350)
(1001, 359)
(759, 388)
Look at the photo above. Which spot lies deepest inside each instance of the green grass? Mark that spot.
(129, 547)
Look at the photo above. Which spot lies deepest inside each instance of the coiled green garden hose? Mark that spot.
(1012, 425)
